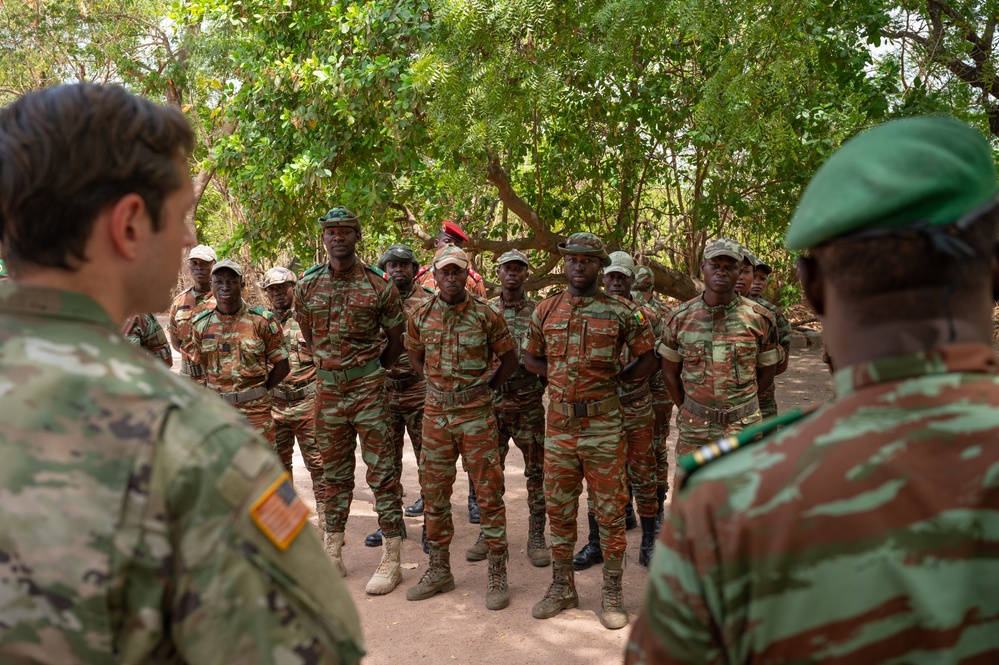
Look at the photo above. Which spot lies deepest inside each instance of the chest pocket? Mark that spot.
(473, 353)
(318, 308)
(694, 363)
(252, 359)
(432, 348)
(556, 338)
(745, 361)
(362, 313)
(601, 342)
(208, 356)
(299, 349)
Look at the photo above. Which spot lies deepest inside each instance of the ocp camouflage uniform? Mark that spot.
(582, 338)
(140, 521)
(768, 399)
(187, 306)
(721, 348)
(808, 547)
(236, 351)
(458, 342)
(145, 331)
(347, 312)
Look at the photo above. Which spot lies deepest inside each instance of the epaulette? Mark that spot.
(204, 315)
(378, 271)
(313, 269)
(261, 311)
(725, 445)
(421, 272)
(428, 290)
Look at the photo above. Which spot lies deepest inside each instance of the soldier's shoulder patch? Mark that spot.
(428, 290)
(314, 269)
(279, 513)
(262, 311)
(640, 316)
(203, 316)
(378, 271)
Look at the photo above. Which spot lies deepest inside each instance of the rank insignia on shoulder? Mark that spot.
(279, 513)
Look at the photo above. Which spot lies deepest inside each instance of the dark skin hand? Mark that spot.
(278, 372)
(201, 273)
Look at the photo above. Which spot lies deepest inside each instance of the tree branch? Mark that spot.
(409, 222)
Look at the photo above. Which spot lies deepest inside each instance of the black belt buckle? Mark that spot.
(579, 410)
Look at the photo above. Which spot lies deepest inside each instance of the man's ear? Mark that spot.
(128, 225)
(812, 283)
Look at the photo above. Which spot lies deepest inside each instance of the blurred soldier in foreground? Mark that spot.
(865, 531)
(145, 331)
(188, 305)
(141, 522)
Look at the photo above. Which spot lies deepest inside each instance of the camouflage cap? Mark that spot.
(450, 255)
(340, 216)
(749, 257)
(913, 174)
(202, 253)
(227, 264)
(644, 281)
(585, 243)
(724, 247)
(278, 275)
(398, 252)
(621, 262)
(513, 255)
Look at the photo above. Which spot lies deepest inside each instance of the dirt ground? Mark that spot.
(455, 627)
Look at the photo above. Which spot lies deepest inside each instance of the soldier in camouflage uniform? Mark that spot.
(352, 318)
(145, 331)
(744, 287)
(520, 413)
(140, 521)
(293, 401)
(452, 340)
(718, 351)
(451, 234)
(761, 275)
(865, 531)
(188, 305)
(242, 350)
(575, 339)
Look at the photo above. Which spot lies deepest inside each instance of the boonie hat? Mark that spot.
(724, 247)
(398, 252)
(585, 243)
(512, 256)
(340, 216)
(921, 174)
(621, 262)
(202, 253)
(229, 264)
(278, 275)
(450, 255)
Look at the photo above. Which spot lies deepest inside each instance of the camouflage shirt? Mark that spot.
(518, 319)
(302, 369)
(133, 525)
(474, 284)
(237, 350)
(346, 312)
(402, 369)
(863, 533)
(582, 338)
(185, 308)
(145, 331)
(783, 325)
(656, 324)
(720, 348)
(458, 341)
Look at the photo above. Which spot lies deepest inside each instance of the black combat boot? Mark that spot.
(590, 554)
(629, 517)
(374, 539)
(661, 513)
(648, 540)
(473, 506)
(426, 543)
(416, 509)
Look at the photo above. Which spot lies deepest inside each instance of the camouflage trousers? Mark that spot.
(662, 409)
(522, 418)
(347, 412)
(468, 431)
(593, 449)
(639, 430)
(258, 412)
(297, 420)
(694, 431)
(406, 413)
(768, 402)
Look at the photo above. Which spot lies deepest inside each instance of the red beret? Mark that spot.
(453, 230)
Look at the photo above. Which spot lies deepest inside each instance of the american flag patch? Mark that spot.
(279, 513)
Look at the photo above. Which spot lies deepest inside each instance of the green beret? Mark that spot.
(340, 216)
(916, 173)
(585, 243)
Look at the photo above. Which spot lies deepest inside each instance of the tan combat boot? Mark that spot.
(561, 594)
(478, 551)
(388, 576)
(334, 545)
(497, 591)
(612, 613)
(537, 550)
(321, 518)
(437, 579)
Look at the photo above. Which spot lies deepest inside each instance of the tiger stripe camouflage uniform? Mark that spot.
(187, 306)
(132, 527)
(236, 352)
(145, 331)
(720, 348)
(346, 312)
(768, 399)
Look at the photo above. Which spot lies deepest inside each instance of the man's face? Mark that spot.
(745, 280)
(227, 287)
(512, 275)
(444, 239)
(760, 279)
(402, 273)
(201, 272)
(451, 281)
(340, 241)
(280, 295)
(720, 274)
(582, 270)
(618, 283)
(163, 257)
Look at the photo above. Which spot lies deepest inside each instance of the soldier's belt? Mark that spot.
(349, 374)
(294, 395)
(244, 395)
(721, 416)
(635, 395)
(398, 385)
(190, 369)
(513, 386)
(587, 409)
(458, 396)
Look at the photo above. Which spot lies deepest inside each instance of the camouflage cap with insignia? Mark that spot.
(340, 216)
(227, 264)
(724, 247)
(644, 280)
(278, 275)
(450, 255)
(513, 255)
(918, 174)
(585, 243)
(398, 252)
(621, 262)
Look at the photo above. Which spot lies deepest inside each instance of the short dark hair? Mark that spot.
(67, 152)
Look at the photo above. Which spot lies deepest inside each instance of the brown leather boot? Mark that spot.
(497, 591)
(537, 549)
(561, 593)
(437, 579)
